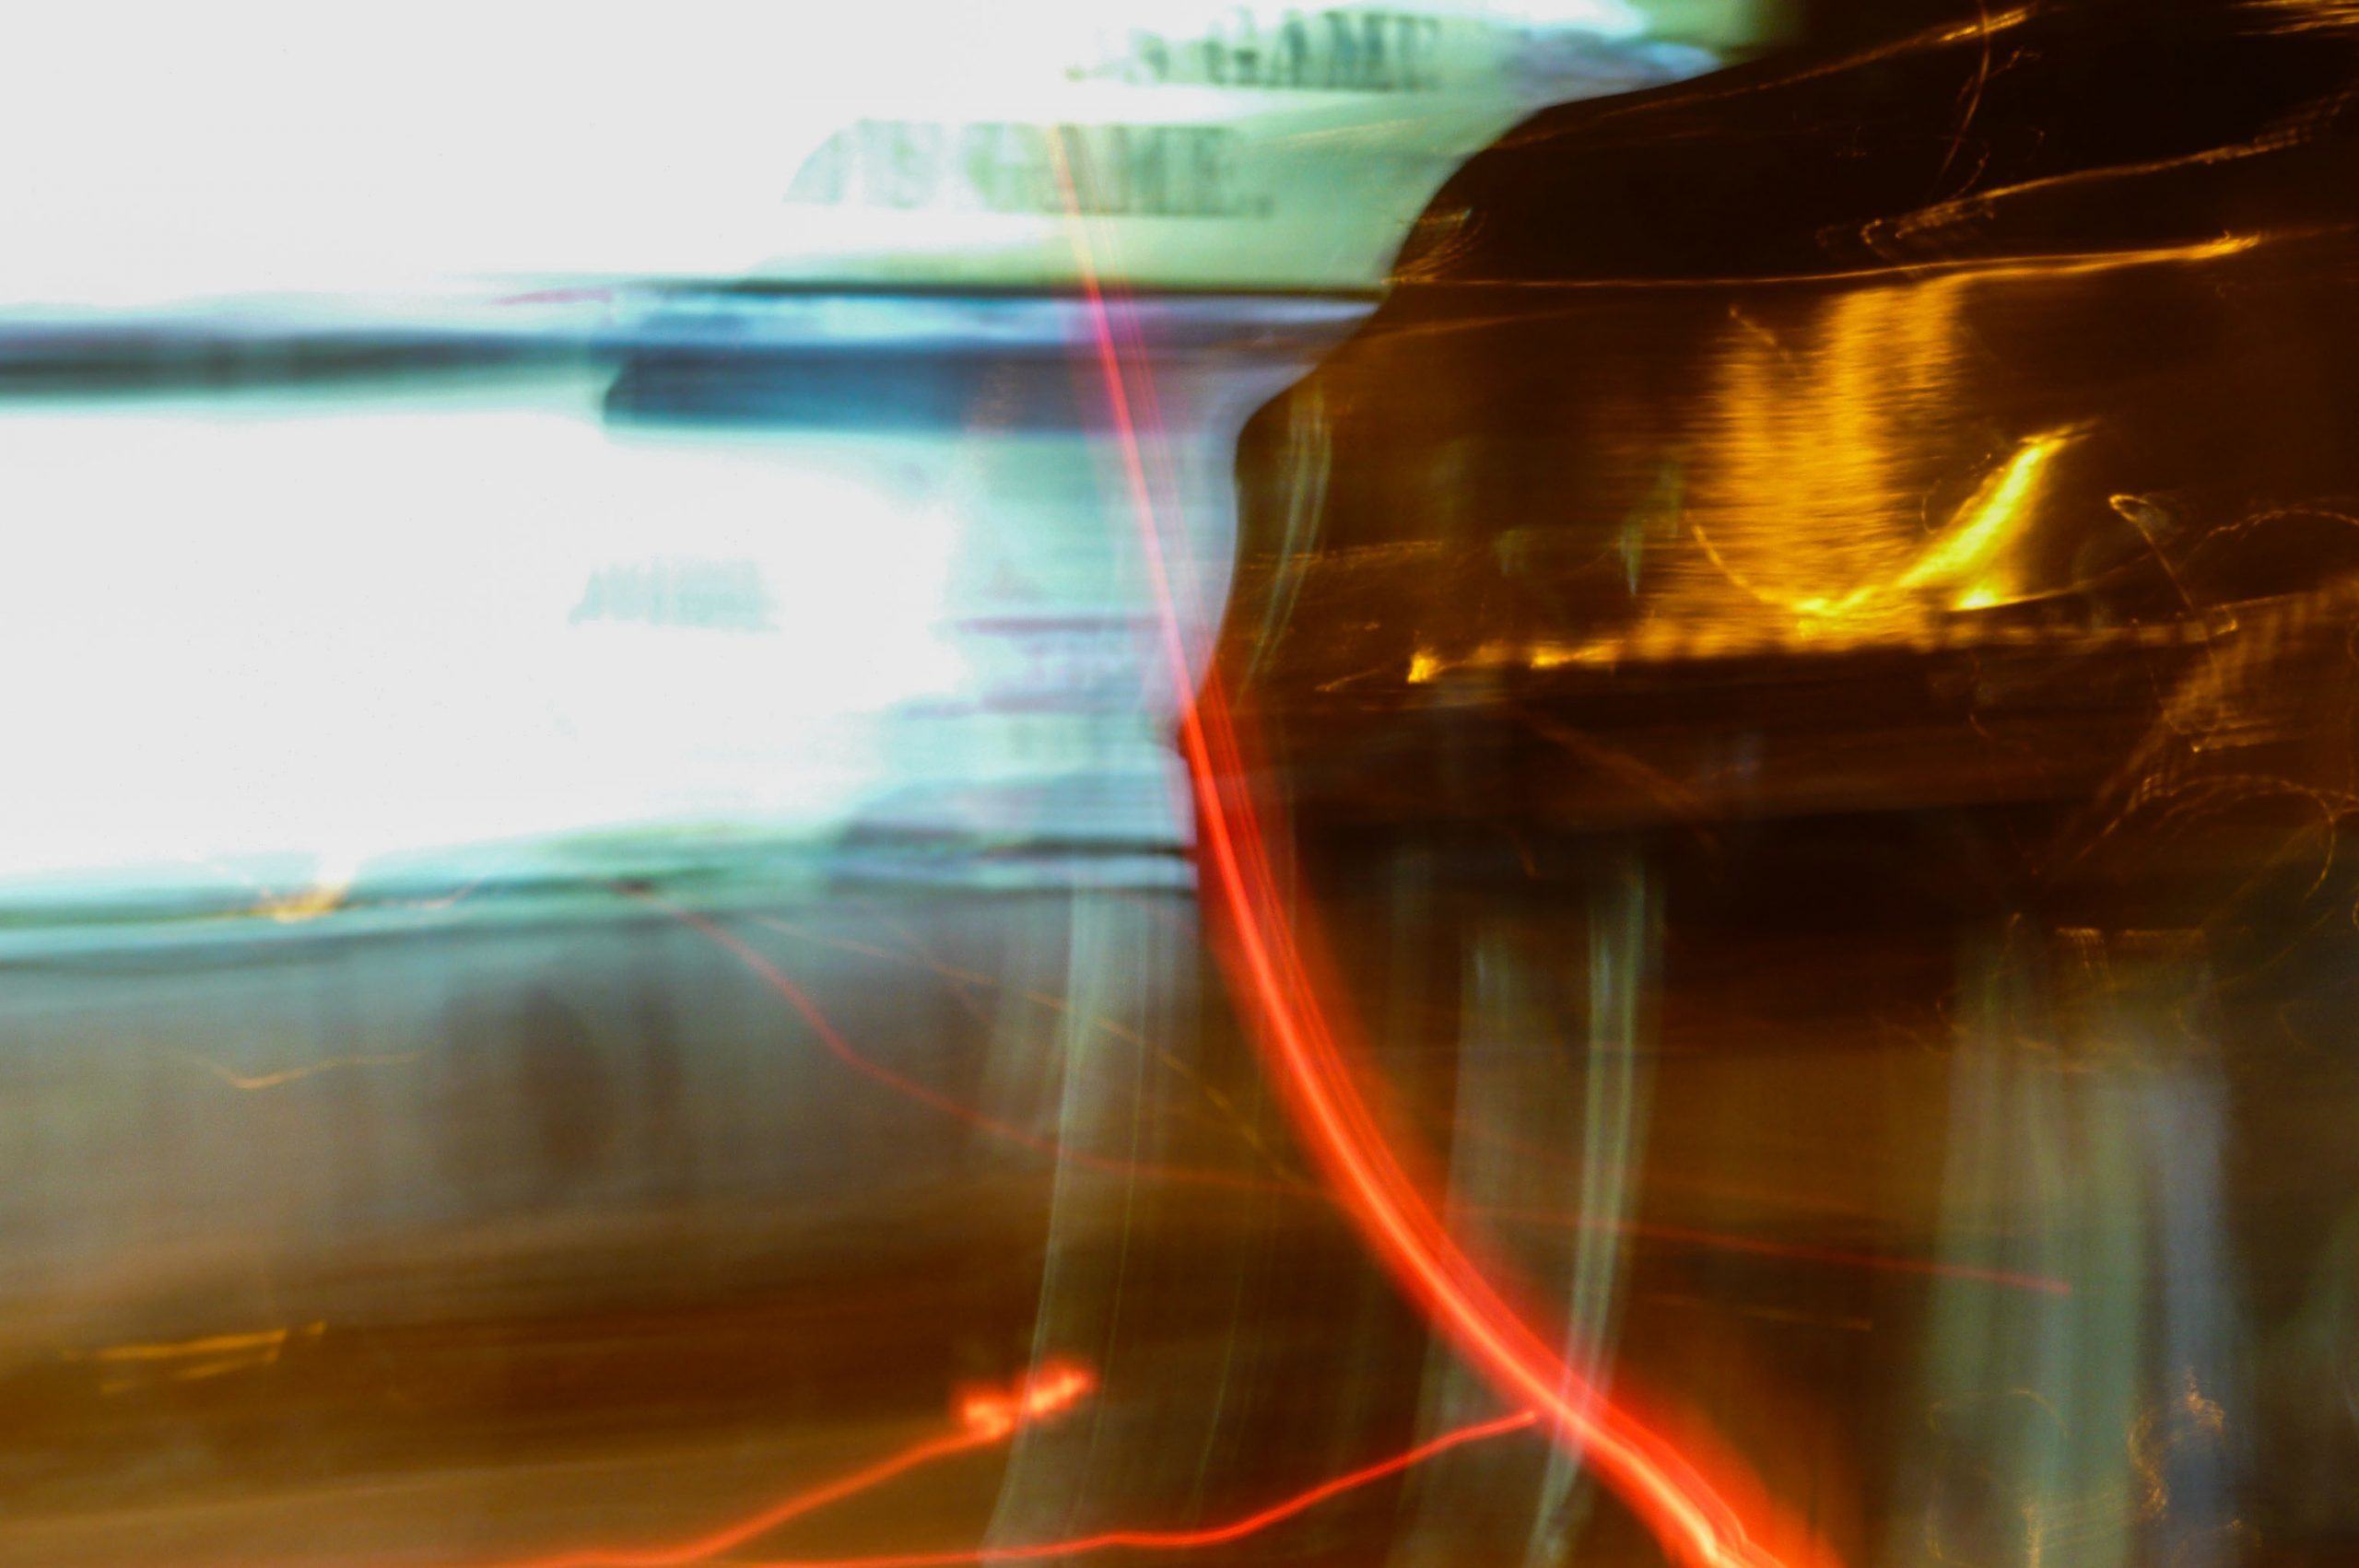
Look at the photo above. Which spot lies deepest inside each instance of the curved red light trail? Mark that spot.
(1691, 1517)
(1284, 1186)
(964, 1440)
(989, 1418)
(1182, 1540)
(986, 1417)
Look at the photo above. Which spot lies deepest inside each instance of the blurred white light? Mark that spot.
(353, 632)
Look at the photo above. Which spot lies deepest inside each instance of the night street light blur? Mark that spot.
(1525, 782)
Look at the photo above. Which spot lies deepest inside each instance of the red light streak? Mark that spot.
(1689, 1516)
(837, 1045)
(1545, 1218)
(831, 1040)
(795, 1507)
(1184, 1541)
(954, 978)
(986, 1417)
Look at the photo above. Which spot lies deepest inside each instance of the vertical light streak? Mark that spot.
(833, 1041)
(1690, 1517)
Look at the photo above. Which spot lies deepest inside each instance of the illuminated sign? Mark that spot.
(1236, 146)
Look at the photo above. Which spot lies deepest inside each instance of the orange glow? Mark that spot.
(1691, 1517)
(310, 903)
(127, 1366)
(266, 1341)
(1185, 1540)
(985, 1419)
(2003, 269)
(251, 1082)
(992, 1413)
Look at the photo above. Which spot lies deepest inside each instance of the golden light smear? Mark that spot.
(1810, 523)
(1971, 560)
(192, 1361)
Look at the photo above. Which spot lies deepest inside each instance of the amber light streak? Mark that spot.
(1691, 1517)
(985, 1420)
(1183, 1540)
